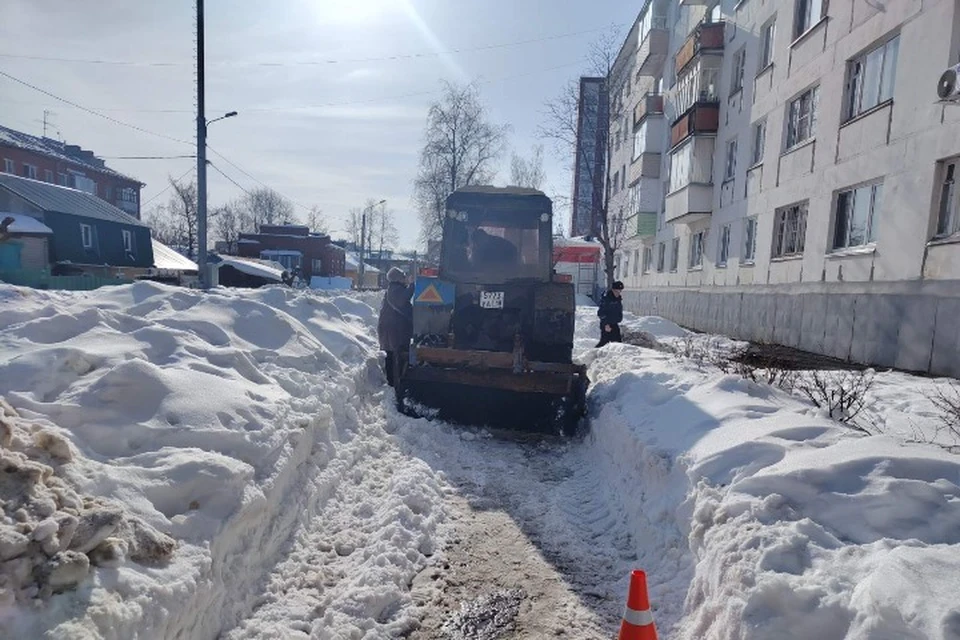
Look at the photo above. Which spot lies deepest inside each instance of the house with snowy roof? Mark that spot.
(67, 165)
(70, 231)
(296, 248)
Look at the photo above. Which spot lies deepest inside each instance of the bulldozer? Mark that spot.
(493, 329)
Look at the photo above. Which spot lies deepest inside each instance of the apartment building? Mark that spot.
(807, 171)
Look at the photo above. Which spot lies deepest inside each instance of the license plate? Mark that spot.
(491, 299)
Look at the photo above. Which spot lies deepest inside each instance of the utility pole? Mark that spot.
(363, 242)
(204, 273)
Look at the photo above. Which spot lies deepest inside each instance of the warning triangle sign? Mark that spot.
(430, 294)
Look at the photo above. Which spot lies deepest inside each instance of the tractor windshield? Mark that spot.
(481, 247)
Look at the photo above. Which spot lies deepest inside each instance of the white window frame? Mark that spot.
(758, 140)
(948, 199)
(730, 165)
(636, 261)
(647, 259)
(127, 240)
(802, 118)
(739, 68)
(639, 140)
(768, 35)
(849, 199)
(749, 240)
(695, 255)
(9, 166)
(29, 171)
(661, 257)
(876, 66)
(790, 231)
(48, 176)
(86, 235)
(675, 255)
(723, 250)
(808, 15)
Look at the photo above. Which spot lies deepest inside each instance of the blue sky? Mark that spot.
(345, 127)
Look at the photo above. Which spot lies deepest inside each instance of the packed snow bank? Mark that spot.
(230, 421)
(757, 517)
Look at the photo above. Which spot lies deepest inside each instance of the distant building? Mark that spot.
(296, 248)
(593, 116)
(86, 235)
(67, 165)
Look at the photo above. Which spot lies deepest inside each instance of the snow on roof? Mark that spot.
(167, 259)
(252, 267)
(56, 149)
(25, 224)
(53, 197)
(353, 262)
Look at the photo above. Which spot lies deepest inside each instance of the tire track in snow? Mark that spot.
(525, 515)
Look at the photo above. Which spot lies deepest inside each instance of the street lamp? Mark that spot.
(202, 125)
(363, 240)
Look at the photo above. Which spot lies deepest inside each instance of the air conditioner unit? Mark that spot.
(949, 86)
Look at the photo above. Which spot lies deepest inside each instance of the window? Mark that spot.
(661, 256)
(809, 13)
(723, 253)
(871, 78)
(616, 182)
(790, 228)
(647, 259)
(636, 261)
(8, 166)
(749, 240)
(63, 179)
(47, 175)
(696, 249)
(802, 121)
(289, 259)
(767, 35)
(128, 194)
(730, 166)
(127, 240)
(675, 254)
(739, 62)
(855, 216)
(626, 265)
(623, 177)
(86, 235)
(758, 138)
(948, 211)
(29, 171)
(640, 140)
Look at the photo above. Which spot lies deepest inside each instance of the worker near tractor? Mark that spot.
(611, 314)
(493, 251)
(395, 325)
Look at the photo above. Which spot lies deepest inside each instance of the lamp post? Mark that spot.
(202, 124)
(363, 241)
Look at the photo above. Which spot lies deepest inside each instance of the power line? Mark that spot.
(167, 188)
(91, 111)
(235, 183)
(325, 61)
(145, 157)
(246, 173)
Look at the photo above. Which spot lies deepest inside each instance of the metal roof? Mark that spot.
(25, 224)
(167, 259)
(54, 198)
(59, 150)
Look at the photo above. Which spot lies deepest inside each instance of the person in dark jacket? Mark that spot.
(395, 325)
(611, 314)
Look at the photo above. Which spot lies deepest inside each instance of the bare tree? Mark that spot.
(385, 235)
(317, 221)
(162, 227)
(528, 172)
(561, 125)
(266, 206)
(182, 210)
(354, 225)
(228, 222)
(461, 148)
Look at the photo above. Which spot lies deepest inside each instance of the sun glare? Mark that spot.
(352, 12)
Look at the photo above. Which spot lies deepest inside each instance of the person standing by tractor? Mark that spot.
(395, 325)
(611, 314)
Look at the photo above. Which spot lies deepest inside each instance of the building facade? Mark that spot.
(67, 165)
(296, 248)
(591, 151)
(807, 175)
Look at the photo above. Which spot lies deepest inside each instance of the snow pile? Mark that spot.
(755, 516)
(245, 425)
(50, 535)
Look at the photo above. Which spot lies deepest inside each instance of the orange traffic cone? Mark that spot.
(637, 620)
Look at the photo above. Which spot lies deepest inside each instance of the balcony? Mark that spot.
(642, 225)
(707, 38)
(650, 104)
(691, 181)
(653, 48)
(648, 141)
(689, 204)
(701, 118)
